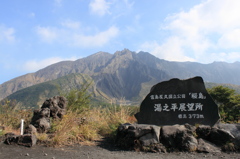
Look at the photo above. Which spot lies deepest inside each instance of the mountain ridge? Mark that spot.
(124, 73)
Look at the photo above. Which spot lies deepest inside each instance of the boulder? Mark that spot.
(36, 116)
(44, 113)
(43, 125)
(207, 147)
(190, 128)
(57, 106)
(179, 137)
(30, 129)
(206, 139)
(220, 137)
(27, 140)
(125, 137)
(148, 139)
(203, 131)
(11, 139)
(189, 144)
(172, 135)
(40, 120)
(137, 136)
(234, 129)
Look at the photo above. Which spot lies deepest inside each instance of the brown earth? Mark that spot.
(102, 150)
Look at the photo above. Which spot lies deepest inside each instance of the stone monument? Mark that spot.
(178, 102)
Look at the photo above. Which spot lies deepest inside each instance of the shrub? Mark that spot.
(79, 99)
(228, 102)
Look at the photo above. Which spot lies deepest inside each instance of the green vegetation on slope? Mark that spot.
(35, 95)
(231, 86)
(228, 102)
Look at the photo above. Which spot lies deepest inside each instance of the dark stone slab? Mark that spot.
(27, 140)
(178, 102)
(11, 139)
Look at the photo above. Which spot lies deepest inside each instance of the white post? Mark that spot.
(22, 123)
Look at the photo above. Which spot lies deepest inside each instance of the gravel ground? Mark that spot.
(102, 150)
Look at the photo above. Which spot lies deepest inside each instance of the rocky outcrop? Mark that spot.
(40, 120)
(186, 138)
(27, 140)
(57, 107)
(54, 107)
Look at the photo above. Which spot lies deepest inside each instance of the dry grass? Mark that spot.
(13, 118)
(90, 125)
(108, 119)
(85, 127)
(10, 118)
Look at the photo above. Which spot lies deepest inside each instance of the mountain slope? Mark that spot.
(218, 72)
(124, 74)
(34, 96)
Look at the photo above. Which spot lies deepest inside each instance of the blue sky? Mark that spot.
(35, 34)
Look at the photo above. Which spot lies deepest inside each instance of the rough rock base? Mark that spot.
(188, 138)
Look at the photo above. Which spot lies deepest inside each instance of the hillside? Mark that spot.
(124, 74)
(231, 86)
(34, 96)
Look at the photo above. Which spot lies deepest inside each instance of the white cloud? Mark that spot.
(71, 34)
(99, 7)
(71, 24)
(35, 65)
(206, 28)
(166, 51)
(47, 34)
(223, 56)
(98, 39)
(210, 16)
(128, 4)
(230, 39)
(7, 34)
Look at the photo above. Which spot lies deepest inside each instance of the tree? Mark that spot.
(79, 99)
(228, 102)
(235, 111)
